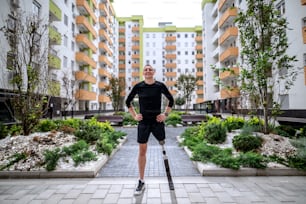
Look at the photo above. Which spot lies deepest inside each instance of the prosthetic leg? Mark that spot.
(170, 182)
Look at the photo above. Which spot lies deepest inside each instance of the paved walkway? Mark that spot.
(124, 162)
(117, 180)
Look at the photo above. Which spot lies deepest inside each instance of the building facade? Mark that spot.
(221, 48)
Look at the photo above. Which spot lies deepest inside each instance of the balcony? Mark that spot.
(170, 56)
(136, 65)
(121, 57)
(233, 92)
(229, 15)
(170, 74)
(121, 48)
(200, 83)
(135, 39)
(199, 65)
(121, 40)
(200, 92)
(84, 59)
(104, 99)
(121, 30)
(199, 100)
(231, 52)
(104, 36)
(85, 9)
(85, 95)
(135, 47)
(54, 61)
(303, 2)
(170, 38)
(85, 43)
(221, 4)
(170, 65)
(135, 29)
(170, 83)
(54, 36)
(85, 26)
(234, 71)
(200, 74)
(135, 56)
(54, 89)
(121, 74)
(170, 47)
(198, 39)
(135, 74)
(173, 92)
(104, 72)
(199, 56)
(83, 76)
(103, 22)
(231, 32)
(103, 9)
(102, 85)
(104, 48)
(104, 60)
(199, 47)
(55, 13)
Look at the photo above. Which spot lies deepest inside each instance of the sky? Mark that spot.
(182, 13)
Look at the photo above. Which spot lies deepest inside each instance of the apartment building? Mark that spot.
(221, 49)
(82, 42)
(172, 51)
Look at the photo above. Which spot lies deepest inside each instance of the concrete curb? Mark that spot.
(90, 173)
(208, 170)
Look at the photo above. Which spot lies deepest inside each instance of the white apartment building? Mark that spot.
(172, 51)
(221, 49)
(82, 42)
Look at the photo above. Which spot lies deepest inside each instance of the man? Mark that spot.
(151, 119)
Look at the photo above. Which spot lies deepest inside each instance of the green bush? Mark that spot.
(173, 119)
(233, 123)
(104, 146)
(225, 159)
(15, 130)
(46, 125)
(284, 130)
(192, 137)
(204, 152)
(246, 143)
(215, 133)
(129, 120)
(51, 158)
(253, 160)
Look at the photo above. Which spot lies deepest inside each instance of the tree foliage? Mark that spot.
(114, 91)
(265, 67)
(27, 61)
(186, 85)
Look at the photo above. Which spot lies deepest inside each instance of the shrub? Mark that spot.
(246, 143)
(173, 119)
(192, 137)
(253, 160)
(284, 130)
(233, 123)
(215, 133)
(129, 120)
(51, 158)
(204, 152)
(46, 125)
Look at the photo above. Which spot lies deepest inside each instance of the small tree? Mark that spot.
(27, 60)
(265, 65)
(186, 85)
(114, 91)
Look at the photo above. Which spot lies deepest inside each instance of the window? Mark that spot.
(73, 29)
(65, 40)
(281, 7)
(10, 61)
(72, 65)
(72, 45)
(36, 8)
(65, 62)
(186, 35)
(304, 59)
(66, 19)
(186, 52)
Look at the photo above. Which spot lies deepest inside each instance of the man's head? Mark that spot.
(148, 72)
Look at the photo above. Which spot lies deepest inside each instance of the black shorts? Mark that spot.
(146, 128)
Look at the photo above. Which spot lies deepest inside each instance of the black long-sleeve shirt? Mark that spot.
(150, 96)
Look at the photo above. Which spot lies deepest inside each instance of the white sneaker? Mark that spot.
(140, 188)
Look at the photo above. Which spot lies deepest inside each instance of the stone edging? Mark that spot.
(207, 170)
(91, 173)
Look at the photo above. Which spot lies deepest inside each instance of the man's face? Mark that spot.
(148, 72)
